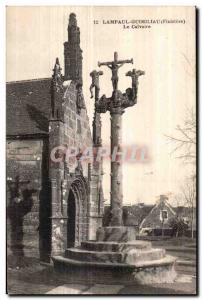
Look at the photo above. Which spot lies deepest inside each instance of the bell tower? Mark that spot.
(72, 52)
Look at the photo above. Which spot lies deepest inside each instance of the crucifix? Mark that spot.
(134, 74)
(114, 66)
(116, 105)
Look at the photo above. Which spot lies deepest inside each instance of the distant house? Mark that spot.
(143, 216)
(134, 215)
(159, 217)
(153, 219)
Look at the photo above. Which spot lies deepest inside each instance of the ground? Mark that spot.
(41, 279)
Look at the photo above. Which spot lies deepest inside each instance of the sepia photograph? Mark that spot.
(101, 140)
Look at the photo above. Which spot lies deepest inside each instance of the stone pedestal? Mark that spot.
(116, 248)
(117, 251)
(116, 234)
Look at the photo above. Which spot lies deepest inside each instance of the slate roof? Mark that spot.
(132, 215)
(136, 213)
(28, 106)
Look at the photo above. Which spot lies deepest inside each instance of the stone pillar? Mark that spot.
(58, 220)
(96, 203)
(57, 240)
(116, 197)
(97, 142)
(116, 104)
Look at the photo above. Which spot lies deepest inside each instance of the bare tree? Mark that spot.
(189, 196)
(184, 140)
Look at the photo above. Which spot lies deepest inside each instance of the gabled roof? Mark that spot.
(136, 213)
(28, 106)
(158, 203)
(132, 215)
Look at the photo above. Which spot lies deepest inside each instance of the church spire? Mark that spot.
(73, 52)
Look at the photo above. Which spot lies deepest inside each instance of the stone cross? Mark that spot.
(116, 105)
(114, 66)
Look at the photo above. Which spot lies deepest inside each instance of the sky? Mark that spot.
(166, 52)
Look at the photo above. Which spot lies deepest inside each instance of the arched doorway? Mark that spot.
(77, 212)
(71, 222)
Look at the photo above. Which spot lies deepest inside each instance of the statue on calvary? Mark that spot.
(114, 66)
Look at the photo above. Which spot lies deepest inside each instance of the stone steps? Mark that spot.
(117, 249)
(93, 256)
(130, 257)
(60, 261)
(115, 246)
(119, 234)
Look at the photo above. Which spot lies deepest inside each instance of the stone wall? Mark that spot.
(73, 131)
(76, 126)
(26, 209)
(77, 133)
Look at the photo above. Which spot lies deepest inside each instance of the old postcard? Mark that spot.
(101, 150)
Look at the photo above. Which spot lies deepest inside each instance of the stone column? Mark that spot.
(116, 104)
(57, 225)
(56, 176)
(116, 197)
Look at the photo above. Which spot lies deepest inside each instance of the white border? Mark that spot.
(4, 3)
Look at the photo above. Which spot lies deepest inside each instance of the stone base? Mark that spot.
(156, 274)
(117, 250)
(116, 234)
(132, 256)
(159, 272)
(115, 246)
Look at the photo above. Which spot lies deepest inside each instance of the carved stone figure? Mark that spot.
(114, 66)
(57, 76)
(80, 99)
(101, 105)
(57, 91)
(134, 74)
(95, 83)
(116, 105)
(79, 168)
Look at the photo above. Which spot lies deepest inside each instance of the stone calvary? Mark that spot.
(116, 249)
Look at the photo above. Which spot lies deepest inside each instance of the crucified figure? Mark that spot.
(134, 74)
(114, 66)
(95, 83)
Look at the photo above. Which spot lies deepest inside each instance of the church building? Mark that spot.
(53, 201)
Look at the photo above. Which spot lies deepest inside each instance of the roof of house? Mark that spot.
(28, 105)
(132, 215)
(158, 204)
(136, 213)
